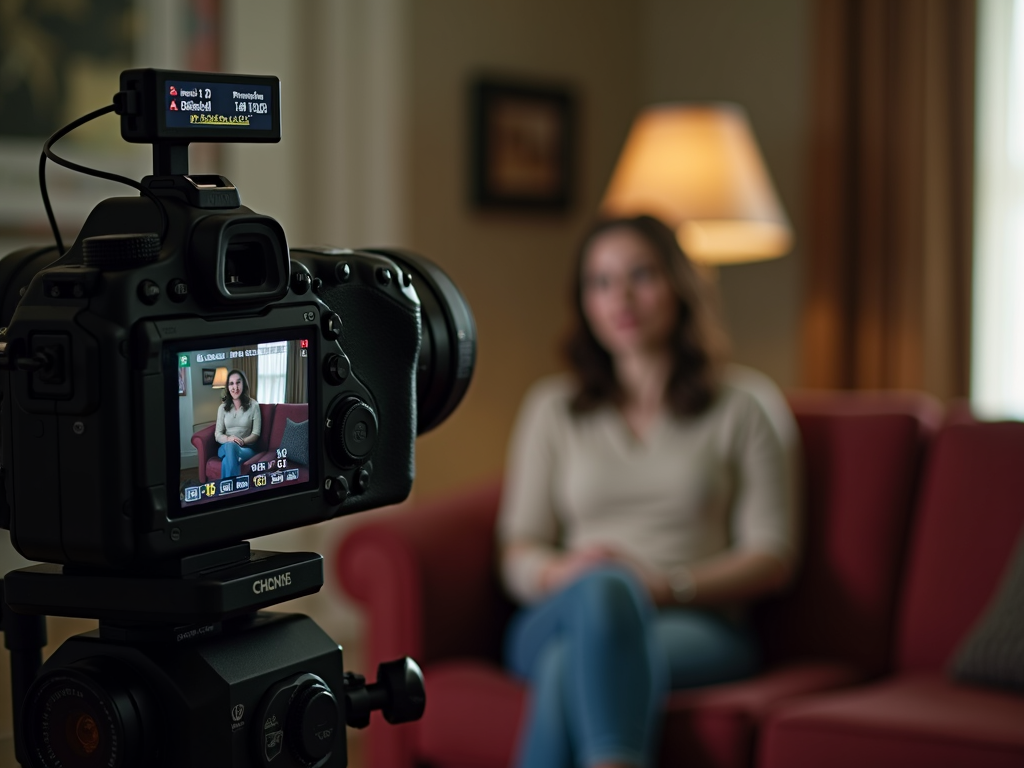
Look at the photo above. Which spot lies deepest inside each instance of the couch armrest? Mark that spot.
(427, 577)
(206, 444)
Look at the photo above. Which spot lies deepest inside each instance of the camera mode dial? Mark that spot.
(112, 252)
(351, 431)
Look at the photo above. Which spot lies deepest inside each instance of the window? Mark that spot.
(272, 370)
(997, 370)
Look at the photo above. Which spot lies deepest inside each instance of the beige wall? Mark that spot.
(512, 267)
(755, 53)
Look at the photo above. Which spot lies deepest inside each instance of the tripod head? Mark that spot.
(167, 639)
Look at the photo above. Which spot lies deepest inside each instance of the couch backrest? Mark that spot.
(266, 419)
(970, 512)
(862, 456)
(297, 412)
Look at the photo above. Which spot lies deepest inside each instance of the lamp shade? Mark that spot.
(697, 167)
(220, 378)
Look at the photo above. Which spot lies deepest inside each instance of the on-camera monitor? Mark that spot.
(243, 421)
(204, 103)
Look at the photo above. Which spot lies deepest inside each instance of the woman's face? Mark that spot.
(235, 386)
(627, 298)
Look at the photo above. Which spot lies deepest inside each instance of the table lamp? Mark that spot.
(697, 167)
(220, 378)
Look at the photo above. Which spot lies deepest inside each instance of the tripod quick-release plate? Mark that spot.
(266, 579)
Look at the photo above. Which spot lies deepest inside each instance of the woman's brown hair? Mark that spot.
(698, 343)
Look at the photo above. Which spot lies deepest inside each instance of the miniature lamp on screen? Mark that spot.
(697, 167)
(220, 378)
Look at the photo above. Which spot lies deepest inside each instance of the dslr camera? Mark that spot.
(178, 382)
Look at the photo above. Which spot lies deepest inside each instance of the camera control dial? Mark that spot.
(112, 252)
(351, 431)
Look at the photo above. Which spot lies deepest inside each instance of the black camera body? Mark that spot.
(91, 449)
(174, 384)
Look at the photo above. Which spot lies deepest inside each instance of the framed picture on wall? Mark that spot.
(522, 145)
(208, 375)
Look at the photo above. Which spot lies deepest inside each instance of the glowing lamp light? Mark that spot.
(697, 167)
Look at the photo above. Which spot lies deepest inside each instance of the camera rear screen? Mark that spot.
(243, 416)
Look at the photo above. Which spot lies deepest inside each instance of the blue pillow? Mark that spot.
(295, 440)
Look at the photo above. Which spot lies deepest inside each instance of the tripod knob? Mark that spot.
(399, 693)
(313, 723)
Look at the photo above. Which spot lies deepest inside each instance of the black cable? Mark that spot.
(48, 153)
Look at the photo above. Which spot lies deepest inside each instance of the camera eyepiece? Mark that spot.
(240, 258)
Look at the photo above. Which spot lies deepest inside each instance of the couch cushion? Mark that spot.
(993, 652)
(862, 455)
(295, 411)
(969, 516)
(472, 716)
(295, 441)
(474, 709)
(716, 726)
(912, 721)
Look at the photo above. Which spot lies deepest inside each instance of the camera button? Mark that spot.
(300, 282)
(383, 275)
(343, 272)
(336, 369)
(331, 326)
(177, 290)
(149, 292)
(336, 490)
(363, 480)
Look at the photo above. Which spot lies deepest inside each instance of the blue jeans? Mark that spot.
(600, 659)
(233, 455)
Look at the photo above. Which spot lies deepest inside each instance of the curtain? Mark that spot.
(295, 384)
(887, 292)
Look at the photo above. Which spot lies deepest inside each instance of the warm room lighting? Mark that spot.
(697, 167)
(220, 378)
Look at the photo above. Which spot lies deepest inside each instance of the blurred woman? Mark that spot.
(648, 498)
(238, 425)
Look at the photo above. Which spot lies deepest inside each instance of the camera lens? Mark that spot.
(72, 720)
(448, 351)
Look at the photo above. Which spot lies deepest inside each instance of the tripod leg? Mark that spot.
(24, 637)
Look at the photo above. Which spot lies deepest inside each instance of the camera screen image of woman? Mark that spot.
(238, 425)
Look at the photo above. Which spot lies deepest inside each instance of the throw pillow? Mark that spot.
(295, 440)
(993, 652)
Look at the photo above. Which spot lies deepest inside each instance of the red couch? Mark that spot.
(273, 418)
(427, 579)
(970, 515)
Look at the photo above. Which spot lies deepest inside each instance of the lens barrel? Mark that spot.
(448, 351)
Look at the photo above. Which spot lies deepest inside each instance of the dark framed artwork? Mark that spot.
(522, 145)
(208, 376)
